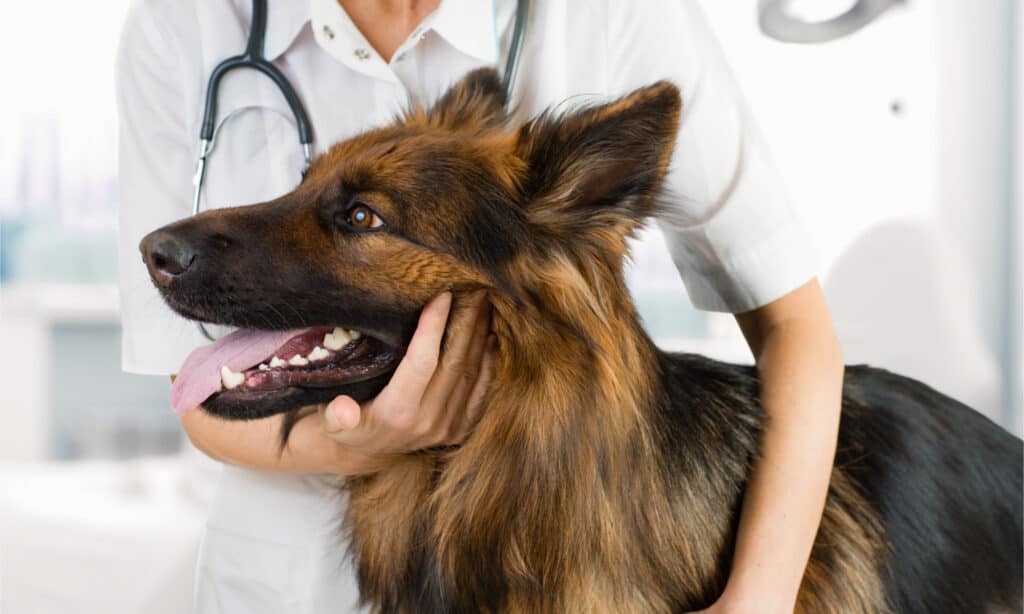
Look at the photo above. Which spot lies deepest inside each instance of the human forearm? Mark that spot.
(253, 444)
(801, 368)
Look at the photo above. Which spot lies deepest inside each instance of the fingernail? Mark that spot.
(444, 300)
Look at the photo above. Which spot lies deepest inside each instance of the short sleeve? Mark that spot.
(155, 180)
(729, 224)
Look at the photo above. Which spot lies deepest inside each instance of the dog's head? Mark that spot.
(451, 198)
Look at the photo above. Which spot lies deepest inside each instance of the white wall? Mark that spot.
(1016, 286)
(894, 142)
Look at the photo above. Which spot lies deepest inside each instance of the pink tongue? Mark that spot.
(199, 376)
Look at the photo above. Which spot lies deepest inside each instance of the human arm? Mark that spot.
(740, 248)
(800, 367)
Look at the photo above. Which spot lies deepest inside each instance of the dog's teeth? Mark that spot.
(263, 367)
(276, 362)
(298, 361)
(230, 379)
(354, 334)
(336, 339)
(318, 353)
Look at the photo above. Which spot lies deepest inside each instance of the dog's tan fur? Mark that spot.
(617, 534)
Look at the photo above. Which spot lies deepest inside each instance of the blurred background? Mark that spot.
(900, 141)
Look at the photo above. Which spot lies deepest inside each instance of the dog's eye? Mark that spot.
(359, 215)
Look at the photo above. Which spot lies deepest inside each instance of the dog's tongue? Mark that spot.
(199, 376)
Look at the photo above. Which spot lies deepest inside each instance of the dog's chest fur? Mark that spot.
(588, 512)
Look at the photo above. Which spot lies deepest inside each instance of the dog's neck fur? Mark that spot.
(500, 514)
(571, 397)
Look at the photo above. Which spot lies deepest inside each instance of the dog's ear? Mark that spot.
(478, 100)
(600, 165)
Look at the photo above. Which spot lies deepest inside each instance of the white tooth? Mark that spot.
(298, 361)
(318, 353)
(355, 334)
(229, 378)
(276, 362)
(336, 340)
(264, 367)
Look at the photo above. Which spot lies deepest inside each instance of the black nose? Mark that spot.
(166, 255)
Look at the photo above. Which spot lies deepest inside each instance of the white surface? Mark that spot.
(99, 537)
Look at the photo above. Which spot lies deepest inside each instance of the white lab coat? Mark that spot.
(271, 544)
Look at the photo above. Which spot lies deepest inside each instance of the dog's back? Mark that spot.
(946, 483)
(935, 485)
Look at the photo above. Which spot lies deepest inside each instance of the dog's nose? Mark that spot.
(166, 255)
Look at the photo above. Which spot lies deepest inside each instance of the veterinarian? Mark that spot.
(270, 543)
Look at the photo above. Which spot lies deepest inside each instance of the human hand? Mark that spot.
(719, 607)
(736, 603)
(433, 397)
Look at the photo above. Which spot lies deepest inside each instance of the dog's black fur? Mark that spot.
(944, 480)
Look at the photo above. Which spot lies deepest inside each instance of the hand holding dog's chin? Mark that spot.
(433, 398)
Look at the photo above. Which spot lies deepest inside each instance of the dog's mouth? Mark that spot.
(269, 371)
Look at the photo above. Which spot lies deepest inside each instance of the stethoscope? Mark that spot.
(254, 57)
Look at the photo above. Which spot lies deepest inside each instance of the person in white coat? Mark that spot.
(271, 542)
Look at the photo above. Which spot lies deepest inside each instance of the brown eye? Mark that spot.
(361, 216)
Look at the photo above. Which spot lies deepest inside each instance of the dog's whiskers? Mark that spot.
(298, 314)
(283, 321)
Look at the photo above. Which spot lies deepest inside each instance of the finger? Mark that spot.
(463, 324)
(471, 369)
(481, 332)
(342, 414)
(483, 381)
(416, 368)
(454, 359)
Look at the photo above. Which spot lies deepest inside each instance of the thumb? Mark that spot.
(342, 414)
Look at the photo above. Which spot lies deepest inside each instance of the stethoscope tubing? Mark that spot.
(254, 57)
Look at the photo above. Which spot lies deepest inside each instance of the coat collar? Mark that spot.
(286, 19)
(468, 25)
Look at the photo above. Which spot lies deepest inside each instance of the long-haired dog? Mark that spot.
(603, 474)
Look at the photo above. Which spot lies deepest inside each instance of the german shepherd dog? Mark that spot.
(603, 475)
